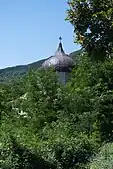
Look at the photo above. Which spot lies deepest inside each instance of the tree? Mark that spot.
(93, 82)
(41, 95)
(93, 25)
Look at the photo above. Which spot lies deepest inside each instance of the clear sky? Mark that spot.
(29, 30)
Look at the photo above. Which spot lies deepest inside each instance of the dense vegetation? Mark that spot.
(46, 125)
(104, 159)
(54, 125)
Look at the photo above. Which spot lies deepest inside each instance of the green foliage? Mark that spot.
(16, 156)
(63, 146)
(42, 88)
(93, 25)
(104, 159)
(93, 84)
(49, 125)
(67, 152)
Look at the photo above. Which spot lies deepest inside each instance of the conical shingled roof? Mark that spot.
(60, 61)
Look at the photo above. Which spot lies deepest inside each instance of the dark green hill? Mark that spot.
(10, 73)
(76, 53)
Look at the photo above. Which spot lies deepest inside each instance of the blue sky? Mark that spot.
(29, 30)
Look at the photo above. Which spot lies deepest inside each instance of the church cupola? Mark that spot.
(61, 62)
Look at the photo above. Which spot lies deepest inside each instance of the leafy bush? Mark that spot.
(67, 151)
(93, 82)
(104, 159)
(16, 156)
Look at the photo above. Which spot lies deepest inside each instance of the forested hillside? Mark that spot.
(48, 125)
(11, 73)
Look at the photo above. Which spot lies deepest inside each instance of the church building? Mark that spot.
(61, 62)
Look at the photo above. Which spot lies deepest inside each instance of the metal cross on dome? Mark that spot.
(60, 38)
